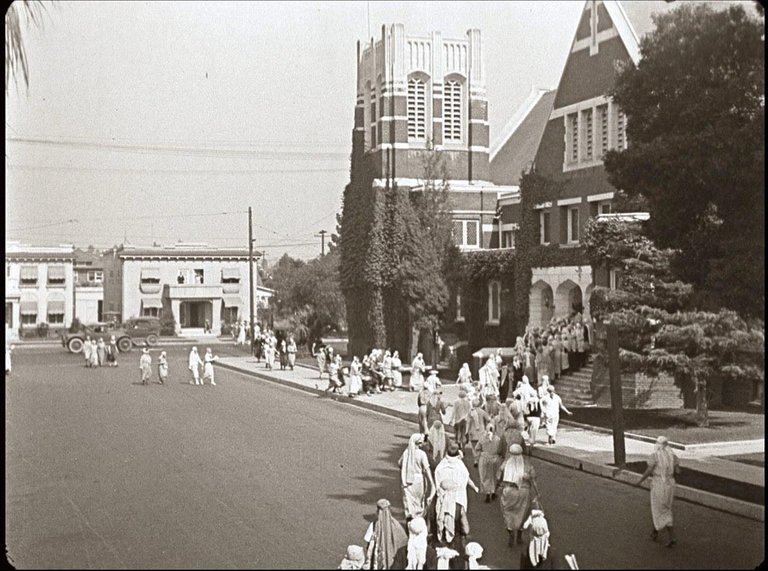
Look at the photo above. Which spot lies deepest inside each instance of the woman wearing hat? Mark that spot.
(112, 352)
(397, 374)
(145, 366)
(384, 537)
(415, 474)
(474, 552)
(517, 480)
(436, 444)
(663, 465)
(451, 470)
(354, 559)
(417, 553)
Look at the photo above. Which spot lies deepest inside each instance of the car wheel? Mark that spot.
(124, 344)
(75, 345)
(152, 340)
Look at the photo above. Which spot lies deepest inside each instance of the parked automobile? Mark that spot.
(144, 330)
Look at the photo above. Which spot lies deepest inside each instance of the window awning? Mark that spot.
(28, 307)
(150, 274)
(56, 306)
(28, 272)
(232, 301)
(152, 302)
(230, 273)
(56, 273)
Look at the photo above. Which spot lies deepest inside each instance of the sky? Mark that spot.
(164, 121)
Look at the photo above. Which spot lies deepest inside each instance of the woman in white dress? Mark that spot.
(415, 474)
(241, 334)
(397, 375)
(194, 366)
(417, 373)
(208, 366)
(355, 380)
(663, 465)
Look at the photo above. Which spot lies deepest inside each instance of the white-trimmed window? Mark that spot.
(417, 109)
(459, 316)
(544, 230)
(590, 131)
(604, 207)
(573, 225)
(199, 276)
(95, 276)
(466, 233)
(28, 276)
(614, 279)
(28, 318)
(494, 301)
(508, 239)
(452, 97)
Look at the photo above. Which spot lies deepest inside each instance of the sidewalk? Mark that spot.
(577, 447)
(163, 341)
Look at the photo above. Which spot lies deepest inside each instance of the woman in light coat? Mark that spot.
(663, 466)
(397, 374)
(208, 366)
(418, 367)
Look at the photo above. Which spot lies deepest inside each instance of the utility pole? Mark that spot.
(617, 413)
(250, 269)
(321, 235)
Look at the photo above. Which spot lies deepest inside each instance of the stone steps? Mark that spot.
(575, 388)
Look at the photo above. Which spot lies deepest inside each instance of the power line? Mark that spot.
(129, 219)
(176, 171)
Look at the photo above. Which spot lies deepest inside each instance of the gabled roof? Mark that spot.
(519, 140)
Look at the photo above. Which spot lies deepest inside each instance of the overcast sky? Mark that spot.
(213, 97)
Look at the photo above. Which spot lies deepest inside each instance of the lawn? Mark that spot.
(679, 425)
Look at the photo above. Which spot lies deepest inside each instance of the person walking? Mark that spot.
(415, 478)
(397, 374)
(241, 334)
(517, 480)
(451, 480)
(291, 348)
(436, 408)
(283, 350)
(557, 356)
(162, 367)
(505, 381)
(551, 405)
(208, 366)
(460, 418)
(384, 538)
(195, 363)
(87, 349)
(355, 380)
(334, 384)
(479, 419)
(489, 449)
(418, 367)
(435, 444)
(145, 366)
(663, 466)
(94, 353)
(433, 382)
(421, 400)
(101, 352)
(539, 554)
(474, 551)
(318, 352)
(112, 352)
(417, 553)
(465, 375)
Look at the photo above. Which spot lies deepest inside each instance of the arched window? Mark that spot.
(417, 109)
(452, 111)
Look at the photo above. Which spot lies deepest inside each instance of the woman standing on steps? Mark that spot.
(662, 467)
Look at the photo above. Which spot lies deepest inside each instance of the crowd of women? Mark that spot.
(100, 354)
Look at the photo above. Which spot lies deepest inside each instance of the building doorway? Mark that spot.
(195, 313)
(541, 304)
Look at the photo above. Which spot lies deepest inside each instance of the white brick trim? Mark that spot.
(569, 201)
(599, 197)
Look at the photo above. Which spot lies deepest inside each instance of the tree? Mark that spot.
(20, 15)
(659, 327)
(695, 111)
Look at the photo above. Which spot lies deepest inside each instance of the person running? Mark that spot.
(87, 349)
(489, 449)
(162, 367)
(517, 479)
(663, 465)
(417, 553)
(101, 352)
(384, 538)
(194, 365)
(208, 366)
(397, 374)
(415, 474)
(291, 348)
(551, 405)
(145, 366)
(112, 352)
(417, 373)
(354, 558)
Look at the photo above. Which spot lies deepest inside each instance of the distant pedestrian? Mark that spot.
(145, 366)
(269, 352)
(112, 352)
(354, 558)
(283, 354)
(8, 350)
(162, 367)
(663, 466)
(94, 354)
(291, 349)
(505, 381)
(207, 327)
(355, 380)
(433, 382)
(334, 384)
(397, 374)
(476, 427)
(436, 408)
(465, 375)
(489, 449)
(551, 405)
(87, 350)
(415, 478)
(241, 334)
(384, 538)
(460, 418)
(418, 367)
(194, 365)
(318, 352)
(101, 352)
(208, 366)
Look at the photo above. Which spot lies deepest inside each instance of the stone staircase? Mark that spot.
(575, 388)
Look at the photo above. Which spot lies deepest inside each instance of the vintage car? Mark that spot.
(138, 330)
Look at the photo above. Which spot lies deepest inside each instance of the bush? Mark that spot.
(42, 329)
(167, 324)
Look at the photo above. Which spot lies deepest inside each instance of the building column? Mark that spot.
(216, 317)
(176, 311)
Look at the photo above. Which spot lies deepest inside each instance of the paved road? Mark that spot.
(102, 472)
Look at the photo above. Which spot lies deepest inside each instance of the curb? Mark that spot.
(630, 435)
(692, 495)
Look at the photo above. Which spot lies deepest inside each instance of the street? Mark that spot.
(102, 472)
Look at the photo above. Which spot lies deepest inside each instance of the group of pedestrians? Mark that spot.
(195, 363)
(377, 372)
(100, 354)
(268, 346)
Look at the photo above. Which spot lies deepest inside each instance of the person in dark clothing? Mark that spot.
(505, 381)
